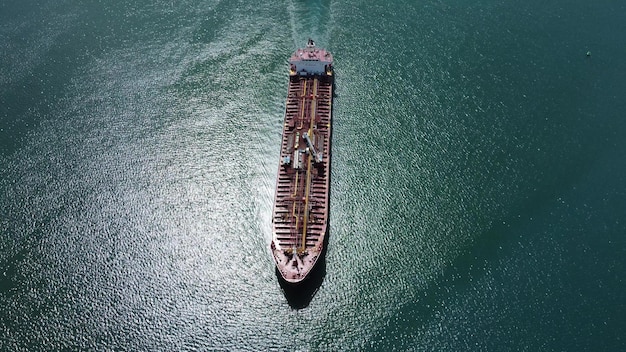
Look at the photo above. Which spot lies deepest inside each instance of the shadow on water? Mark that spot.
(300, 296)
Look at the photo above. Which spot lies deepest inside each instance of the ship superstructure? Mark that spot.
(300, 212)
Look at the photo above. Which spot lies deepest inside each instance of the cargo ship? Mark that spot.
(300, 214)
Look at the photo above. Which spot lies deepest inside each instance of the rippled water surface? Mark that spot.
(477, 197)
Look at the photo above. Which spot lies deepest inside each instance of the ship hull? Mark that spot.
(301, 203)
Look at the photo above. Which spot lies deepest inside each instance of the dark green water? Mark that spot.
(478, 176)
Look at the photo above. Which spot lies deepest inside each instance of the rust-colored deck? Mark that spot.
(301, 201)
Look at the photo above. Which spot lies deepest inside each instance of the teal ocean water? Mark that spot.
(478, 176)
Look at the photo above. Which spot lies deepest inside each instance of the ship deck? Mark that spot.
(301, 201)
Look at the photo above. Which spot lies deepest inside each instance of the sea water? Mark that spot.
(478, 176)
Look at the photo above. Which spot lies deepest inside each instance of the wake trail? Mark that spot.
(309, 20)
